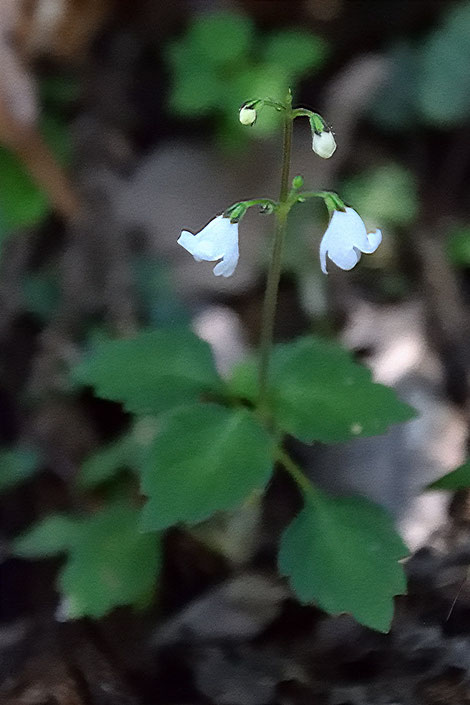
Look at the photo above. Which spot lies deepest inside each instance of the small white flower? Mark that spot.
(324, 144)
(218, 240)
(247, 116)
(345, 238)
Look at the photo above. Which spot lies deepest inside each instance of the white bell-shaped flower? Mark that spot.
(218, 240)
(346, 238)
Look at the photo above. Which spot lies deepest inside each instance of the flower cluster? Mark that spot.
(345, 239)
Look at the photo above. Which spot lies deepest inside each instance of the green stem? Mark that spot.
(295, 472)
(260, 202)
(332, 200)
(274, 273)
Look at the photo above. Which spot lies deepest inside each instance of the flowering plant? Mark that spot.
(216, 441)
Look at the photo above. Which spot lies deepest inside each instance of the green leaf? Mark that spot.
(458, 479)
(205, 458)
(107, 462)
(112, 564)
(198, 91)
(318, 393)
(16, 466)
(385, 195)
(49, 537)
(294, 51)
(221, 37)
(342, 553)
(109, 562)
(152, 372)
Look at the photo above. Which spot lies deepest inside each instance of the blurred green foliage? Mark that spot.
(157, 299)
(41, 293)
(105, 464)
(48, 537)
(458, 247)
(384, 195)
(221, 61)
(458, 479)
(429, 81)
(16, 466)
(22, 202)
(109, 562)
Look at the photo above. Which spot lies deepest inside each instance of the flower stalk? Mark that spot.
(274, 272)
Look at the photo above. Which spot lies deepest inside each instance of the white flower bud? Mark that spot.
(324, 144)
(247, 116)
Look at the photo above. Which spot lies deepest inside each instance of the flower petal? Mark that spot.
(188, 241)
(373, 241)
(345, 259)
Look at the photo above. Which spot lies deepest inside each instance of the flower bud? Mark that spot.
(324, 144)
(297, 182)
(247, 115)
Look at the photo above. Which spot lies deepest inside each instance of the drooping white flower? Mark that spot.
(218, 240)
(345, 238)
(324, 144)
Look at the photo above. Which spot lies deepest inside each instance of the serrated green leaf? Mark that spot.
(51, 536)
(294, 51)
(342, 553)
(205, 458)
(458, 479)
(16, 465)
(318, 393)
(153, 372)
(112, 564)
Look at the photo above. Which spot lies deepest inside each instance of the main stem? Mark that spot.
(274, 273)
